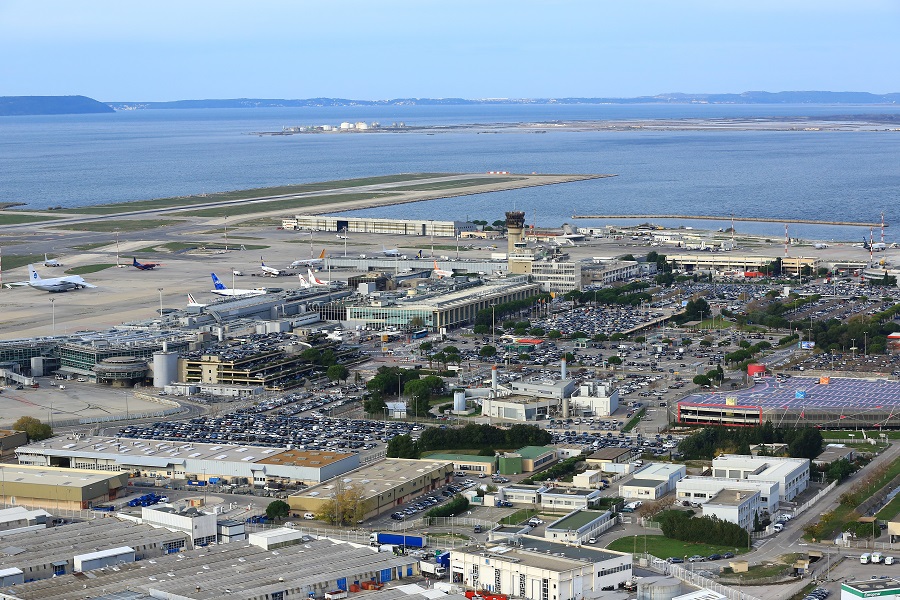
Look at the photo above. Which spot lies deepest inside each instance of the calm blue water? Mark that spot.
(89, 159)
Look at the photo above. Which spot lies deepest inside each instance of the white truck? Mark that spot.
(430, 569)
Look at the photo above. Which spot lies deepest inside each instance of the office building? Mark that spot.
(791, 474)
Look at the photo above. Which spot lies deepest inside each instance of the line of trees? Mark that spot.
(802, 442)
(458, 504)
(474, 436)
(560, 469)
(682, 525)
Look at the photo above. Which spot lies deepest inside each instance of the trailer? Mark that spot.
(399, 539)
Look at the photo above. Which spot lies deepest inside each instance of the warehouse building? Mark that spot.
(350, 225)
(243, 571)
(378, 487)
(469, 463)
(51, 552)
(58, 489)
(19, 518)
(527, 460)
(10, 440)
(539, 569)
(189, 461)
(200, 527)
(791, 474)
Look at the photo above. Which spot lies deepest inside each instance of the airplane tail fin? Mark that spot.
(435, 266)
(323, 254)
(216, 283)
(191, 299)
(33, 275)
(303, 282)
(134, 262)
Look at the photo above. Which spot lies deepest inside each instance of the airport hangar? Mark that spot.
(383, 486)
(187, 460)
(824, 402)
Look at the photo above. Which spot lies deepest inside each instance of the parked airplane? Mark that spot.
(272, 271)
(876, 247)
(220, 289)
(441, 273)
(315, 281)
(51, 262)
(143, 266)
(303, 282)
(55, 284)
(390, 252)
(193, 303)
(309, 262)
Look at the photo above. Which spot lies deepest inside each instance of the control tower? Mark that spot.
(515, 224)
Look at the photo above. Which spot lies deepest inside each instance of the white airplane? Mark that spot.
(875, 247)
(51, 262)
(272, 271)
(315, 281)
(55, 284)
(309, 262)
(193, 303)
(441, 273)
(303, 282)
(390, 251)
(220, 289)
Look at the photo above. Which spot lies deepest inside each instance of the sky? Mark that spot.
(381, 49)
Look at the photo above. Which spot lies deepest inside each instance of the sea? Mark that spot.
(81, 160)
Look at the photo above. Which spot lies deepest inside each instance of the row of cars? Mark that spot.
(700, 558)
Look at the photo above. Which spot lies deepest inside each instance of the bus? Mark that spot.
(418, 335)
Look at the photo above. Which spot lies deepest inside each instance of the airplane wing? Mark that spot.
(87, 285)
(17, 284)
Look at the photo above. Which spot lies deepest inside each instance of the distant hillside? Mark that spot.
(50, 105)
(673, 98)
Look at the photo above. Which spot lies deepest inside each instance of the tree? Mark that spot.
(278, 510)
(344, 508)
(418, 394)
(373, 403)
(487, 351)
(35, 430)
(402, 446)
(701, 380)
(839, 470)
(337, 372)
(614, 360)
(554, 334)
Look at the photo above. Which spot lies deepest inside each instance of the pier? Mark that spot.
(730, 218)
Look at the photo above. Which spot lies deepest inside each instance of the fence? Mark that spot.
(800, 509)
(445, 522)
(688, 575)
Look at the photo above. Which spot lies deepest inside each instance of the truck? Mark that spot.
(399, 539)
(430, 569)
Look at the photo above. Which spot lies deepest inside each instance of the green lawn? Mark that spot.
(13, 261)
(182, 246)
(663, 547)
(90, 246)
(283, 204)
(85, 269)
(633, 422)
(8, 218)
(845, 435)
(121, 225)
(157, 203)
(891, 510)
(519, 516)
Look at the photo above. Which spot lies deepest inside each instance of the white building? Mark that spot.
(568, 499)
(200, 526)
(883, 589)
(791, 474)
(653, 481)
(735, 506)
(700, 489)
(593, 399)
(522, 494)
(579, 526)
(539, 569)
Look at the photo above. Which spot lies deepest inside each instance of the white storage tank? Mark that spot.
(345, 126)
(165, 368)
(459, 401)
(658, 588)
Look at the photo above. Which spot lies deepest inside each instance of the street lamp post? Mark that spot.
(53, 314)
(493, 326)
(226, 233)
(431, 226)
(160, 290)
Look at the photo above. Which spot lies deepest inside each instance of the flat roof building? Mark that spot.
(699, 490)
(10, 440)
(791, 474)
(734, 505)
(381, 486)
(883, 589)
(469, 463)
(568, 499)
(188, 460)
(653, 481)
(580, 526)
(54, 488)
(537, 568)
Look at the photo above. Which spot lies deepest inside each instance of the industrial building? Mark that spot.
(791, 474)
(51, 552)
(537, 569)
(579, 526)
(188, 460)
(833, 452)
(379, 487)
(527, 460)
(522, 494)
(611, 460)
(200, 527)
(567, 499)
(653, 481)
(243, 571)
(19, 518)
(349, 225)
(10, 440)
(699, 490)
(714, 261)
(53, 488)
(469, 463)
(734, 505)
